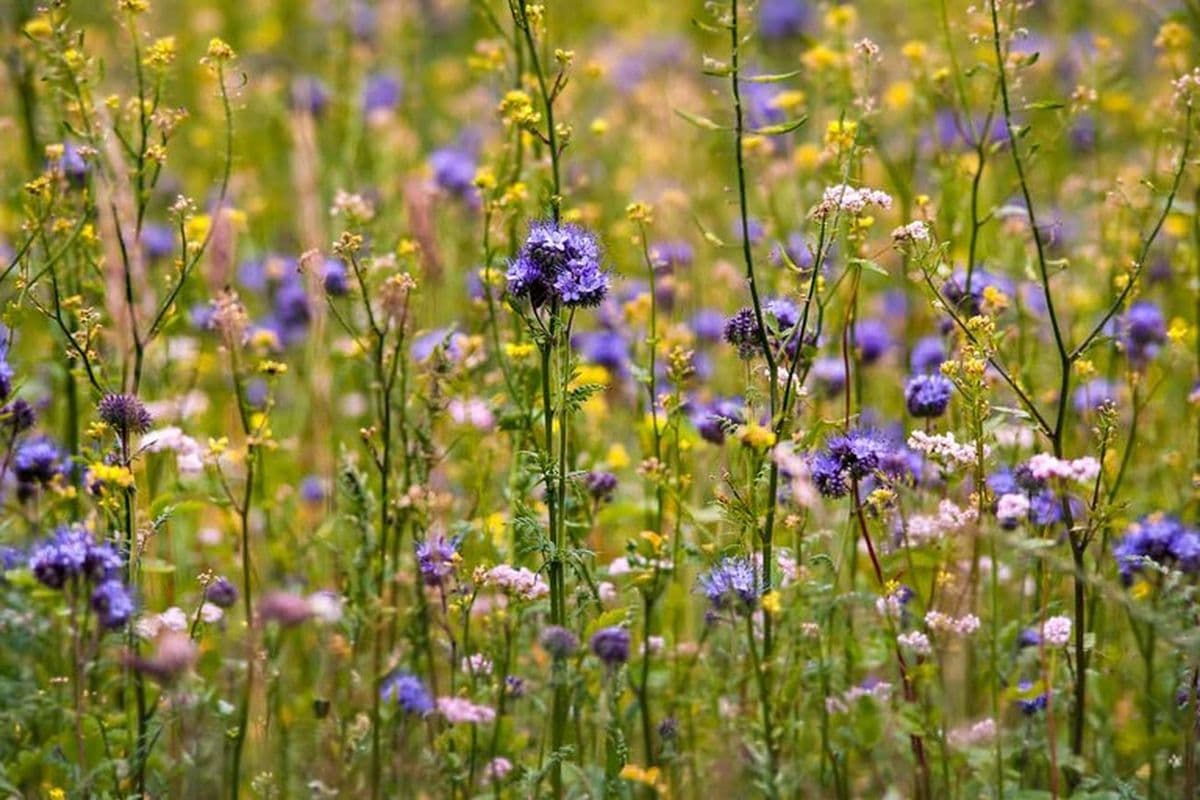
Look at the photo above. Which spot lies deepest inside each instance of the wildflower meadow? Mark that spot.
(577, 399)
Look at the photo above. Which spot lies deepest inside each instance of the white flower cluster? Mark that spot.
(977, 733)
(519, 581)
(1056, 631)
(189, 455)
(916, 642)
(944, 623)
(1044, 466)
(925, 528)
(460, 710)
(850, 200)
(944, 447)
(836, 704)
(1012, 508)
(1186, 85)
(917, 231)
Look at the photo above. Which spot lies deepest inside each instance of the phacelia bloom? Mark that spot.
(334, 278)
(859, 451)
(407, 692)
(125, 413)
(872, 340)
(18, 416)
(437, 557)
(1143, 331)
(560, 262)
(741, 331)
(62, 557)
(1028, 637)
(1029, 703)
(558, 641)
(829, 374)
(1161, 538)
(714, 420)
(498, 768)
(600, 484)
(827, 475)
(604, 348)
(514, 686)
(1011, 509)
(1094, 394)
(380, 94)
(112, 603)
(927, 354)
(38, 461)
(611, 645)
(158, 241)
(730, 584)
(459, 711)
(928, 395)
(221, 593)
(1057, 631)
(453, 171)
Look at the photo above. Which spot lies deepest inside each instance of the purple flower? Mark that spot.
(408, 692)
(38, 461)
(928, 354)
(453, 171)
(1143, 331)
(112, 603)
(730, 584)
(60, 558)
(334, 278)
(828, 476)
(560, 262)
(1030, 705)
(1161, 538)
(600, 484)
(221, 593)
(558, 641)
(605, 348)
(437, 557)
(381, 93)
(858, 452)
(1094, 394)
(872, 340)
(125, 413)
(741, 331)
(783, 19)
(927, 395)
(708, 325)
(611, 645)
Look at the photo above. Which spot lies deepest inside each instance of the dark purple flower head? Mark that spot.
(112, 603)
(581, 284)
(783, 312)
(712, 420)
(741, 331)
(437, 557)
(1094, 394)
(558, 641)
(730, 584)
(611, 645)
(18, 415)
(828, 475)
(1161, 538)
(1029, 637)
(334, 277)
(600, 484)
(221, 593)
(158, 241)
(125, 413)
(408, 692)
(872, 340)
(928, 395)
(312, 490)
(1143, 331)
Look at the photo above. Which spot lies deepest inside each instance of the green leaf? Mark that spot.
(867, 263)
(1045, 105)
(704, 123)
(781, 128)
(772, 77)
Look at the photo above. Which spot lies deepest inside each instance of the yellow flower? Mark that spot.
(915, 51)
(112, 474)
(647, 776)
(1179, 330)
(840, 134)
(756, 436)
(898, 95)
(772, 604)
(518, 352)
(617, 456)
(841, 18)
